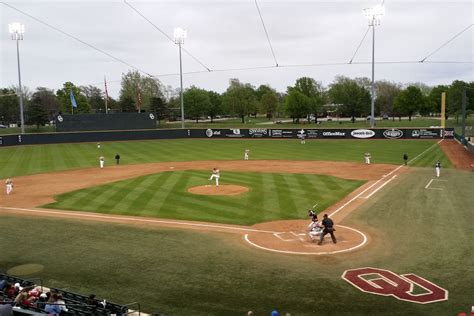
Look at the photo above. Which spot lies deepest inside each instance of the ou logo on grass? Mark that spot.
(386, 283)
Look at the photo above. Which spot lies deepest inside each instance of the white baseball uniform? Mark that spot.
(9, 185)
(367, 157)
(315, 230)
(215, 175)
(246, 154)
(101, 162)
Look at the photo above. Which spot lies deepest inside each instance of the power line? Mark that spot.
(446, 43)
(360, 44)
(75, 38)
(164, 34)
(266, 34)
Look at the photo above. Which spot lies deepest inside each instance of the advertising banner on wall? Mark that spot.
(229, 133)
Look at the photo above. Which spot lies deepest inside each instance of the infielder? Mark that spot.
(101, 162)
(98, 145)
(9, 185)
(438, 168)
(246, 154)
(367, 157)
(216, 175)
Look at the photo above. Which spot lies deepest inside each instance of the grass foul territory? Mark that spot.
(271, 196)
(23, 160)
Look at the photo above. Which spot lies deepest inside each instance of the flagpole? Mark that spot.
(106, 97)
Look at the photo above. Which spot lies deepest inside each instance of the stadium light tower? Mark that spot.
(17, 30)
(374, 15)
(179, 36)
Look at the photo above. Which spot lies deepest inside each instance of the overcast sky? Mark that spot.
(229, 34)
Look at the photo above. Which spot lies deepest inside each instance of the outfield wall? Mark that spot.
(221, 133)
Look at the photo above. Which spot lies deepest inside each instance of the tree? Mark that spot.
(196, 102)
(355, 99)
(269, 104)
(127, 104)
(215, 104)
(134, 84)
(239, 99)
(9, 106)
(64, 98)
(95, 97)
(297, 104)
(314, 91)
(434, 98)
(158, 106)
(409, 101)
(48, 100)
(386, 93)
(454, 96)
(37, 113)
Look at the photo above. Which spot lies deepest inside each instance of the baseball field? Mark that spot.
(155, 230)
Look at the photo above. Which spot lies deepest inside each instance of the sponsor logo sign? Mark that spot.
(334, 134)
(210, 133)
(362, 133)
(301, 133)
(415, 133)
(386, 283)
(312, 133)
(60, 118)
(426, 133)
(448, 133)
(393, 133)
(280, 133)
(235, 132)
(258, 132)
(152, 116)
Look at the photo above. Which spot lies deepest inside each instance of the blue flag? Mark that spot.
(73, 100)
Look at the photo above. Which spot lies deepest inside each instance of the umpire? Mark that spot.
(328, 229)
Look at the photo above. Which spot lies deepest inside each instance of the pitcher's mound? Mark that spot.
(225, 189)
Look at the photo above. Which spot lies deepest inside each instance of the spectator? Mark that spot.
(51, 306)
(275, 313)
(10, 290)
(22, 299)
(6, 310)
(61, 301)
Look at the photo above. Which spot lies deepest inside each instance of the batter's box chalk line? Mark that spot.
(293, 236)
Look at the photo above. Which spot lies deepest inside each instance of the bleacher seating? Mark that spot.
(76, 303)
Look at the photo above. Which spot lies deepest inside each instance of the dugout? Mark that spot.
(105, 122)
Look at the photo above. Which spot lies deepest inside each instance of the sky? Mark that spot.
(223, 34)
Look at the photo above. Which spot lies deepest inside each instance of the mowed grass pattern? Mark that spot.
(271, 196)
(24, 160)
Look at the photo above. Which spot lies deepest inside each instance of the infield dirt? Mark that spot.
(32, 191)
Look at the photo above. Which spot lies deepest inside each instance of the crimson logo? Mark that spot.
(386, 283)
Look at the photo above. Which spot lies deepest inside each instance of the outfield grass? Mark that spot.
(272, 196)
(22, 160)
(179, 272)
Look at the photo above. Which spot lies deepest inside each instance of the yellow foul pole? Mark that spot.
(443, 110)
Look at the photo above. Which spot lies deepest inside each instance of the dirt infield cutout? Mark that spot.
(223, 189)
(278, 236)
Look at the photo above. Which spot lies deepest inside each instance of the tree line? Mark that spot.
(307, 100)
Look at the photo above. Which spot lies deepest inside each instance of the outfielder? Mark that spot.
(246, 154)
(302, 137)
(101, 162)
(216, 175)
(367, 157)
(9, 185)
